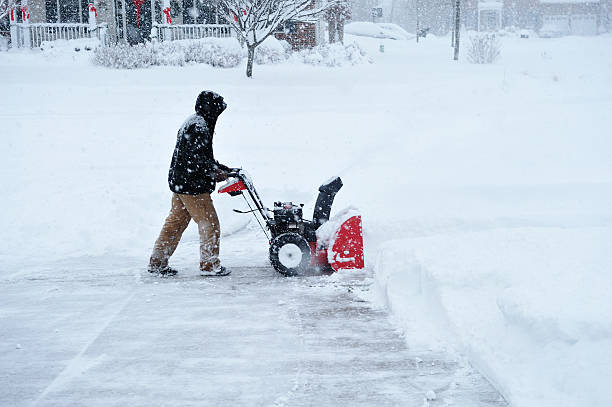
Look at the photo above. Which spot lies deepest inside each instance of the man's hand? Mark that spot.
(223, 167)
(220, 175)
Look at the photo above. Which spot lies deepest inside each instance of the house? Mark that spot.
(489, 15)
(570, 17)
(133, 21)
(300, 34)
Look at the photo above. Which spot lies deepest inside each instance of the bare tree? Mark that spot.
(6, 6)
(256, 20)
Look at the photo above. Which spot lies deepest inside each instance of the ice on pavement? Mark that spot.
(99, 332)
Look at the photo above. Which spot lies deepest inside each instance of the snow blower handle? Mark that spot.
(233, 172)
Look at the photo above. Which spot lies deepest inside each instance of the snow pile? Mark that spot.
(218, 52)
(395, 31)
(68, 46)
(333, 55)
(529, 306)
(383, 30)
(326, 234)
(272, 51)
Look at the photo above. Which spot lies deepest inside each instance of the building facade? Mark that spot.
(135, 21)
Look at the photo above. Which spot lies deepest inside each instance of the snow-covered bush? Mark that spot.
(4, 43)
(124, 56)
(334, 55)
(224, 53)
(484, 48)
(272, 51)
(218, 52)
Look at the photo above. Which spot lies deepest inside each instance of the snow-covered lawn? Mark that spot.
(485, 190)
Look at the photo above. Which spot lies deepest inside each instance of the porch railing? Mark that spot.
(33, 34)
(174, 32)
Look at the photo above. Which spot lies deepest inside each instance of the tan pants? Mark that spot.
(184, 208)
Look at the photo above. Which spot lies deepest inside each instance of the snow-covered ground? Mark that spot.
(485, 189)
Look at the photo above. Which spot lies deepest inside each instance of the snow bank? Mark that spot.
(382, 30)
(218, 52)
(530, 307)
(69, 46)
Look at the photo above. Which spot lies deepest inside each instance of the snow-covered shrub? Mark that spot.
(334, 55)
(169, 53)
(124, 56)
(4, 43)
(223, 52)
(484, 48)
(271, 51)
(218, 52)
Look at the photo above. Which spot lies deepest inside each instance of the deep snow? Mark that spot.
(493, 181)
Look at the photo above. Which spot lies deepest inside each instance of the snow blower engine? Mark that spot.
(298, 245)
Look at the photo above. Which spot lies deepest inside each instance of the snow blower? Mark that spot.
(298, 245)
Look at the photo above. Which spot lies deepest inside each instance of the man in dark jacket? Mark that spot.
(192, 177)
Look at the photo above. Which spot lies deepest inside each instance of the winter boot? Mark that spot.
(215, 272)
(163, 270)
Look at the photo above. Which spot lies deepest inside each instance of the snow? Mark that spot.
(530, 306)
(327, 232)
(67, 46)
(485, 193)
(490, 5)
(374, 30)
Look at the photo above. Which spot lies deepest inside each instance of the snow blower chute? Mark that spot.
(297, 244)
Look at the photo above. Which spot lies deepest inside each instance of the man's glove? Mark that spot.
(223, 167)
(220, 175)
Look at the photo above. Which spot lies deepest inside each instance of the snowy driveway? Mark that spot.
(81, 335)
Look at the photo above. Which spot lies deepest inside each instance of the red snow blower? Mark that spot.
(296, 244)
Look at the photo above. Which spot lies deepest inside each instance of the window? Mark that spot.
(199, 12)
(66, 11)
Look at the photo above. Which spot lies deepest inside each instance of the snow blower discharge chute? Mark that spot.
(297, 244)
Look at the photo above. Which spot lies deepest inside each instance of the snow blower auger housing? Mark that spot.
(297, 244)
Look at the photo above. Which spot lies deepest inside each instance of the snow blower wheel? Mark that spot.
(290, 254)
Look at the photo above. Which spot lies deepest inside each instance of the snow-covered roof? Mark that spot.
(568, 1)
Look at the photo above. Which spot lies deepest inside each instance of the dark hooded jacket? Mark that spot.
(193, 166)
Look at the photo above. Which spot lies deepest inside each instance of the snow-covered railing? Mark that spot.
(172, 32)
(31, 35)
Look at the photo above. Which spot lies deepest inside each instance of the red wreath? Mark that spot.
(167, 13)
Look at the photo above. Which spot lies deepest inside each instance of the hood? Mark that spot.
(210, 105)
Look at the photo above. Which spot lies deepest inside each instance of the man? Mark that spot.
(192, 177)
